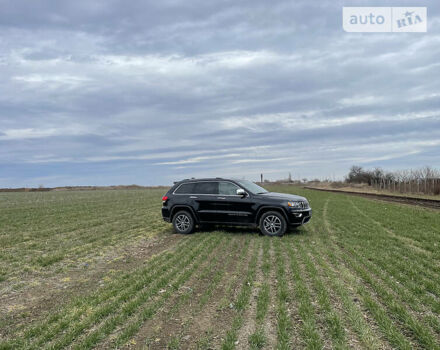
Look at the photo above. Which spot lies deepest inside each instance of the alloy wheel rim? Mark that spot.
(272, 224)
(182, 222)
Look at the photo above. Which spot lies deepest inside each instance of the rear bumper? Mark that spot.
(299, 217)
(166, 214)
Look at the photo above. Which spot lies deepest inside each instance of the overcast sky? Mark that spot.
(147, 92)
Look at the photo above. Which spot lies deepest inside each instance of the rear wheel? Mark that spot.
(273, 223)
(183, 222)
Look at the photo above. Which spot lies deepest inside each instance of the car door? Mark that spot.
(231, 207)
(204, 195)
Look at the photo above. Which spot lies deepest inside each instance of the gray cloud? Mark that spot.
(148, 92)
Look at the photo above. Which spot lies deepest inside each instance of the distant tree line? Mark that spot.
(425, 180)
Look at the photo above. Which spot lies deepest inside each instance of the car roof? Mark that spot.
(206, 179)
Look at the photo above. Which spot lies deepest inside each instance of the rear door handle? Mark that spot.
(193, 197)
(221, 197)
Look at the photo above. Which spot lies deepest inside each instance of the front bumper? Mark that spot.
(299, 217)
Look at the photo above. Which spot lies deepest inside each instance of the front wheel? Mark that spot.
(183, 222)
(273, 223)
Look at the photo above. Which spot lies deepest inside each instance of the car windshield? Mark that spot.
(250, 186)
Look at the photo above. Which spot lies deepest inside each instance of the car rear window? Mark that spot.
(206, 187)
(185, 188)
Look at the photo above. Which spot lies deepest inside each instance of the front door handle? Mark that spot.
(221, 197)
(193, 197)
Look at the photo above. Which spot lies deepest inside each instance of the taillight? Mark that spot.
(164, 199)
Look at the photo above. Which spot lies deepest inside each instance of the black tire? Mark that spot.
(272, 223)
(183, 222)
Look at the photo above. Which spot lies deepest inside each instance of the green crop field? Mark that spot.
(100, 269)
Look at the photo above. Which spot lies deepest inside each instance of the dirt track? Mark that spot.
(423, 202)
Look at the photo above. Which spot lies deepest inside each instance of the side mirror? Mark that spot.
(241, 192)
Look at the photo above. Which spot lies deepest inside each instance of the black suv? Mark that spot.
(232, 202)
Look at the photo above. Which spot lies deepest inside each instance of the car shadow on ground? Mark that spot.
(240, 230)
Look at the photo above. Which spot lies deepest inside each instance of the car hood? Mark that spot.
(283, 196)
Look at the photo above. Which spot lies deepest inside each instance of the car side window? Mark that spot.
(185, 188)
(228, 188)
(206, 187)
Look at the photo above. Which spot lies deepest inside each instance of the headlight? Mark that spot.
(295, 205)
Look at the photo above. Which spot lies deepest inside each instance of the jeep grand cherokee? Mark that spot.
(232, 202)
